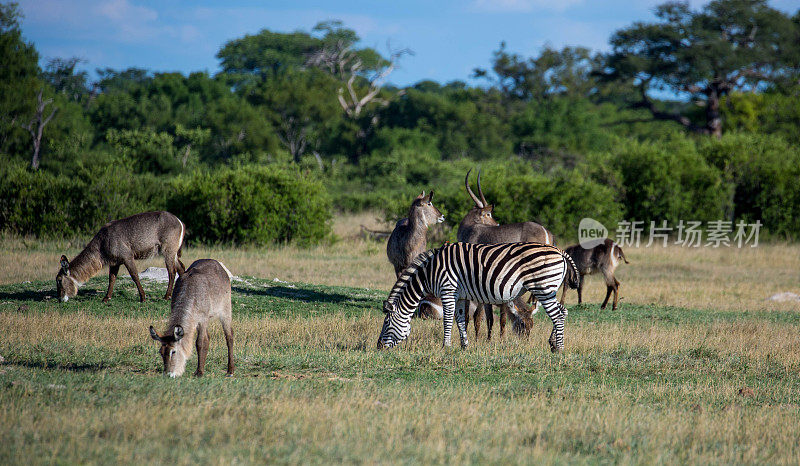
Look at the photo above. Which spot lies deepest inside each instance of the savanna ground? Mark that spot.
(696, 366)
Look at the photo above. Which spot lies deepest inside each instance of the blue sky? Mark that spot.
(449, 38)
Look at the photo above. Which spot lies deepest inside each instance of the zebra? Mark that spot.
(485, 273)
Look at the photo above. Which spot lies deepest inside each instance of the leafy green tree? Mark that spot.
(728, 45)
(554, 72)
(19, 81)
(299, 106)
(61, 74)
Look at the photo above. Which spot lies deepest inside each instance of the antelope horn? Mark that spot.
(480, 191)
(471, 194)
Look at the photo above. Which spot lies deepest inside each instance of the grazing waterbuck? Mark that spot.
(478, 226)
(603, 258)
(408, 240)
(122, 242)
(202, 293)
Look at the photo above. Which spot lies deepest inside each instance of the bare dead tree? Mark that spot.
(294, 135)
(36, 127)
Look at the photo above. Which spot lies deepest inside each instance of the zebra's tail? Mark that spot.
(573, 278)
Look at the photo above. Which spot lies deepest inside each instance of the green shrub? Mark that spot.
(251, 204)
(668, 180)
(42, 204)
(762, 172)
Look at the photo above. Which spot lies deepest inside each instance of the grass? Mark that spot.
(696, 366)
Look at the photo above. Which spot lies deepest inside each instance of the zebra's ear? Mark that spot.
(387, 307)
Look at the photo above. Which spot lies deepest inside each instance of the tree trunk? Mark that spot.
(36, 128)
(35, 158)
(713, 118)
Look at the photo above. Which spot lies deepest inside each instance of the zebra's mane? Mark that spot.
(408, 273)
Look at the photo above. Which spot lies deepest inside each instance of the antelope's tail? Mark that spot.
(573, 278)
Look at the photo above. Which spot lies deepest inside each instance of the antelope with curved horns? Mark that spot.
(478, 226)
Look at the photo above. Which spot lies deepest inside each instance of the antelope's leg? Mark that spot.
(228, 330)
(487, 309)
(557, 315)
(609, 288)
(112, 278)
(563, 292)
(461, 311)
(130, 264)
(169, 262)
(476, 316)
(202, 349)
(616, 294)
(503, 319)
(580, 289)
(448, 310)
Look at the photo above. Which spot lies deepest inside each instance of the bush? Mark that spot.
(668, 180)
(42, 204)
(762, 173)
(251, 204)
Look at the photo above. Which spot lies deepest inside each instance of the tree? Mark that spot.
(19, 70)
(299, 106)
(362, 73)
(36, 127)
(60, 73)
(728, 45)
(554, 72)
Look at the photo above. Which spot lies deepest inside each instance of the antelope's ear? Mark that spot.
(387, 307)
(430, 196)
(154, 334)
(178, 333)
(64, 264)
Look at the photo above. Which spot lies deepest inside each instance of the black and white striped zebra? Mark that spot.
(485, 273)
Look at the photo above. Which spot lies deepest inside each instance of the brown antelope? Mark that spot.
(478, 226)
(603, 258)
(123, 242)
(408, 240)
(202, 293)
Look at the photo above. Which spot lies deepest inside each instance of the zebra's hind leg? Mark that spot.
(461, 312)
(557, 314)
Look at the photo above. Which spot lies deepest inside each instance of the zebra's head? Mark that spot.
(395, 327)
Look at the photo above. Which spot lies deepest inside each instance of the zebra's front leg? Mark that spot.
(557, 314)
(461, 312)
(448, 310)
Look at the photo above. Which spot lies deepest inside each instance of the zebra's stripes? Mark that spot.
(485, 273)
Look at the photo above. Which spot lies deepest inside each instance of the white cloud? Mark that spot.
(521, 6)
(123, 11)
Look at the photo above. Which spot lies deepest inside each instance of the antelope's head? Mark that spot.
(481, 212)
(65, 284)
(171, 352)
(423, 209)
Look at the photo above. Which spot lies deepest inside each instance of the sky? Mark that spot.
(449, 38)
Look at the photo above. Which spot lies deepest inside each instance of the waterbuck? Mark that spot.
(202, 293)
(121, 242)
(478, 226)
(603, 258)
(408, 240)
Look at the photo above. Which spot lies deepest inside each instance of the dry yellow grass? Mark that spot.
(708, 278)
(313, 390)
